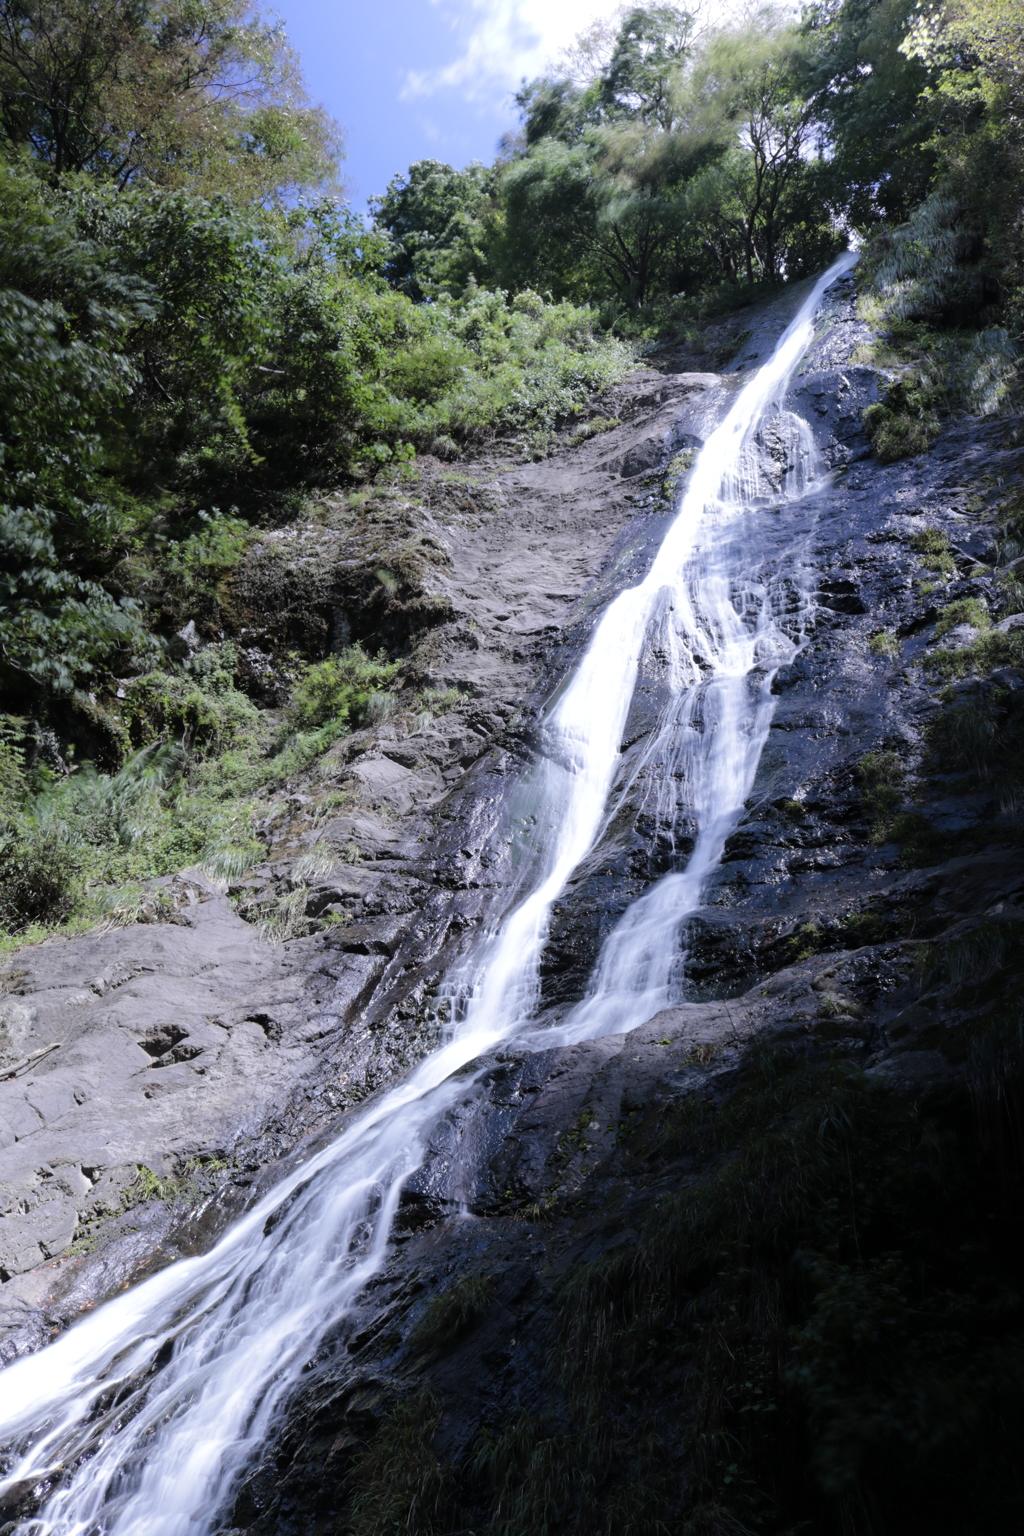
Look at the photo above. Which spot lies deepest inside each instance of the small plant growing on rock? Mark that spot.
(319, 861)
(592, 428)
(438, 701)
(284, 918)
(933, 547)
(702, 1053)
(834, 1006)
(884, 643)
(679, 465)
(881, 776)
(905, 422)
(966, 610)
(1012, 590)
(146, 1185)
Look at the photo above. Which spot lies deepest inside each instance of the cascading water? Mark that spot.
(144, 1415)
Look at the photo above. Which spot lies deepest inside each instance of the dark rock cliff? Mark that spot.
(754, 1266)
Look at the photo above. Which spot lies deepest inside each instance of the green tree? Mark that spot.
(682, 161)
(63, 319)
(591, 204)
(436, 218)
(653, 45)
(748, 85)
(867, 94)
(203, 92)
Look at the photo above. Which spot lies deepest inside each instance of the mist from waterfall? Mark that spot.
(145, 1415)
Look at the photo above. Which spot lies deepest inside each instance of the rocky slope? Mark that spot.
(636, 1306)
(186, 1042)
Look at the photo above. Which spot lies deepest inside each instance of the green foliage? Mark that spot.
(80, 848)
(201, 559)
(146, 1185)
(679, 467)
(867, 93)
(13, 781)
(667, 163)
(906, 421)
(198, 706)
(494, 362)
(170, 354)
(62, 318)
(1012, 594)
(803, 1290)
(933, 547)
(922, 270)
(966, 610)
(949, 279)
(437, 220)
(154, 91)
(884, 643)
(401, 1485)
(980, 734)
(920, 841)
(592, 428)
(341, 690)
(990, 650)
(39, 875)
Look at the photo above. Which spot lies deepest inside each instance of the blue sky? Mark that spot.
(413, 79)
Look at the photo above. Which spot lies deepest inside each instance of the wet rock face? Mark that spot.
(808, 943)
(188, 1043)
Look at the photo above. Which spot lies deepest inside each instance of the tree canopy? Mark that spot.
(204, 93)
(669, 158)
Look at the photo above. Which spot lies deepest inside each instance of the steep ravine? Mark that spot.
(507, 1364)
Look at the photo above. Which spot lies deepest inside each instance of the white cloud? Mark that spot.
(501, 41)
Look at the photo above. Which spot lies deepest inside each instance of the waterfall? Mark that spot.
(144, 1416)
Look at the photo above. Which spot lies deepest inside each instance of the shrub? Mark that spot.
(428, 370)
(885, 643)
(12, 763)
(341, 689)
(200, 560)
(39, 875)
(966, 610)
(917, 271)
(199, 707)
(906, 421)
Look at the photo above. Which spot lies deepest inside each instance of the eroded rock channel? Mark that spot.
(622, 1260)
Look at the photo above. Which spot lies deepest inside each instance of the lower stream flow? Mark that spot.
(145, 1415)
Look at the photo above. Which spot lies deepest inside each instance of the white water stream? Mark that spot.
(146, 1414)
